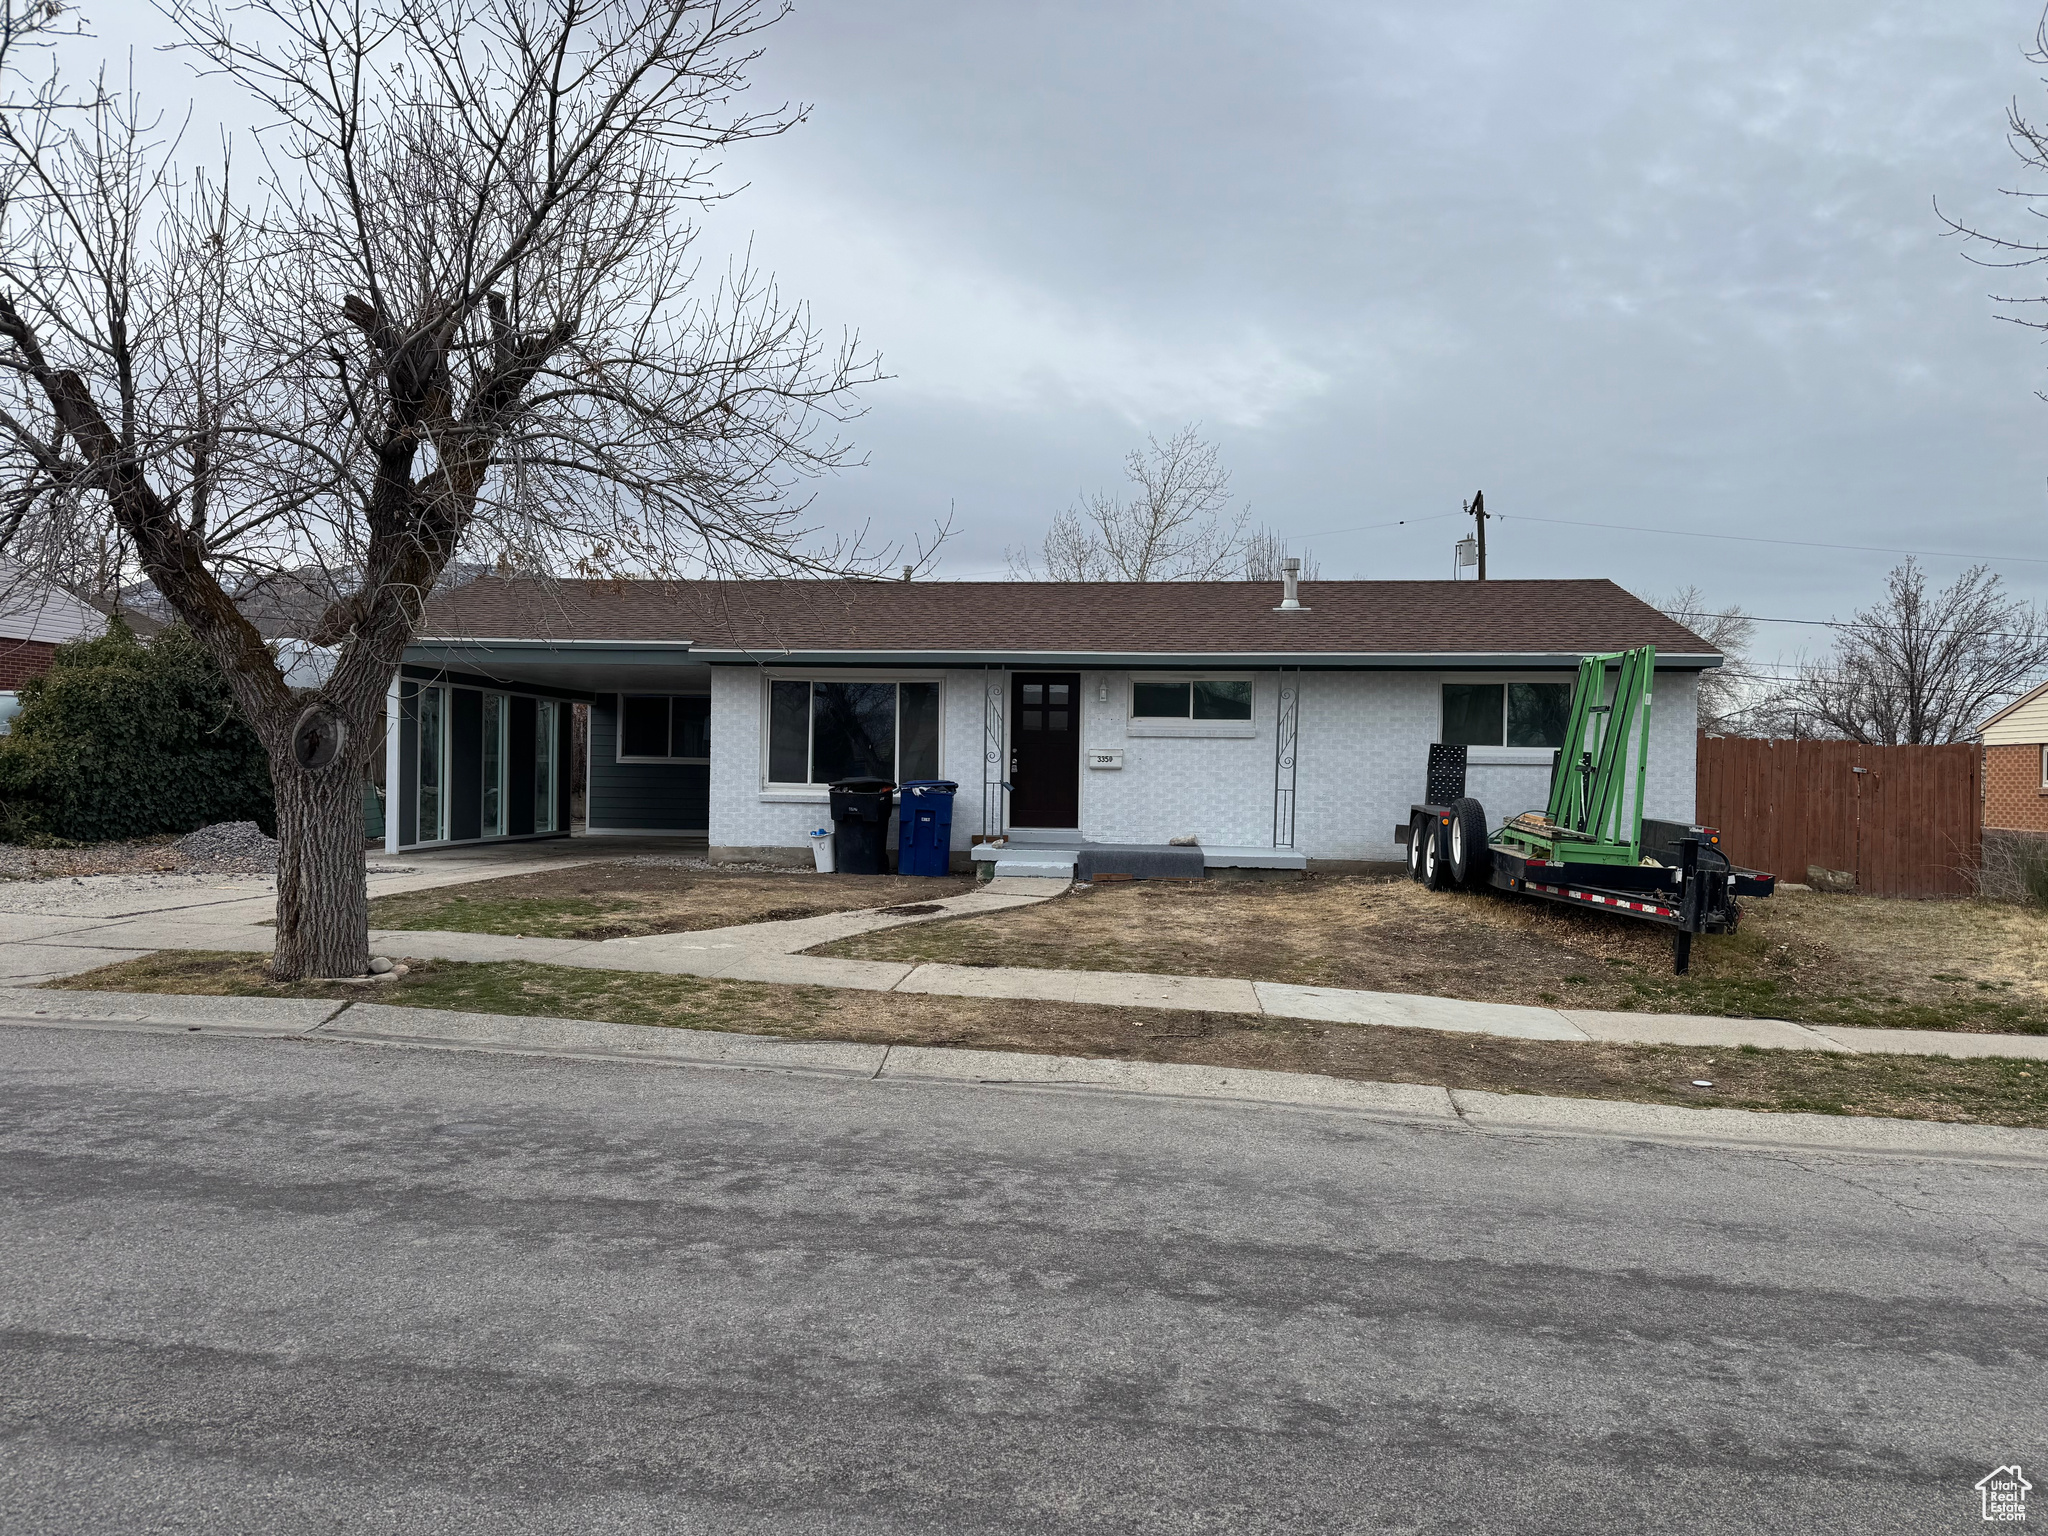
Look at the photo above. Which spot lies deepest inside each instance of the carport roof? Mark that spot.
(1342, 623)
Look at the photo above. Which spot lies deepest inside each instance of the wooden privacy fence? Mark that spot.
(1905, 820)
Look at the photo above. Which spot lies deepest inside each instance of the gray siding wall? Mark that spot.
(651, 797)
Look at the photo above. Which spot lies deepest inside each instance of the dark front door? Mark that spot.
(1045, 749)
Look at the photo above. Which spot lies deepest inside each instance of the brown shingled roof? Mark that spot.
(1234, 618)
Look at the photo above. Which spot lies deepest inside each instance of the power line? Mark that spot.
(1746, 538)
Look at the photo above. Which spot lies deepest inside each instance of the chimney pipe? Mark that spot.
(906, 572)
(1290, 579)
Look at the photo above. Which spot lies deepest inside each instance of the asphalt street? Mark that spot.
(282, 1286)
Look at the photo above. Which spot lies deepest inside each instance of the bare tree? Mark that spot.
(1920, 667)
(1264, 549)
(1177, 527)
(1729, 693)
(450, 309)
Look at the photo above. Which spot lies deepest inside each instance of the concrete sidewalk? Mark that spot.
(58, 929)
(1456, 1110)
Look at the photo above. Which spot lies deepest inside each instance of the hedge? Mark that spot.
(125, 739)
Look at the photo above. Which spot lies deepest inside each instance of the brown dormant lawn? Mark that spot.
(1807, 957)
(628, 898)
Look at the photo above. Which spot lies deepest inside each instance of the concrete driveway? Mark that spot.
(265, 1285)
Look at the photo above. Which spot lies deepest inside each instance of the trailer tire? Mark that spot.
(1418, 829)
(1470, 858)
(1436, 862)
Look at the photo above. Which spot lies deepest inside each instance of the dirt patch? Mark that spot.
(1991, 1092)
(1812, 958)
(626, 900)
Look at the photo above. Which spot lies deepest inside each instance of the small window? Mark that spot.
(822, 731)
(1506, 714)
(1201, 699)
(2044, 770)
(662, 728)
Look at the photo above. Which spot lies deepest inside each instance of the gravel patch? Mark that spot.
(226, 848)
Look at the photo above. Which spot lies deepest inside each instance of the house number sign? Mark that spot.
(1105, 757)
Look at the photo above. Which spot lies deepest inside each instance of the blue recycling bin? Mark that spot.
(924, 826)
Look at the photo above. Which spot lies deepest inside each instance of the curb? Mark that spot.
(1466, 1111)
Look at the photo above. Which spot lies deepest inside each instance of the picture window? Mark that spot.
(820, 732)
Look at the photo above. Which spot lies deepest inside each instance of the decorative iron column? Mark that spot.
(993, 785)
(1286, 739)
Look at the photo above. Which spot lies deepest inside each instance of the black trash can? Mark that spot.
(860, 826)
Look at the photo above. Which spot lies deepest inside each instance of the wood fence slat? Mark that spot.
(1909, 824)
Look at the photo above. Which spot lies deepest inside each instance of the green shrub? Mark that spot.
(124, 739)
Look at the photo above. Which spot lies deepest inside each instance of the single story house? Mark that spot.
(2015, 779)
(1112, 712)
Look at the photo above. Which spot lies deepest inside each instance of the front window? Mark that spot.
(819, 731)
(1192, 699)
(664, 728)
(1506, 714)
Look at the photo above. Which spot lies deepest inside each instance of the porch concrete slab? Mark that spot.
(1401, 1100)
(1849, 1134)
(28, 965)
(1403, 1010)
(1935, 1042)
(385, 1024)
(172, 1010)
(1698, 1029)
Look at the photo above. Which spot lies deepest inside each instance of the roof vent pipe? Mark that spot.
(1290, 586)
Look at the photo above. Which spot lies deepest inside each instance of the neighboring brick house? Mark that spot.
(1110, 712)
(34, 620)
(2015, 742)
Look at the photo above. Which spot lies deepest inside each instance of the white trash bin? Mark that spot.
(821, 850)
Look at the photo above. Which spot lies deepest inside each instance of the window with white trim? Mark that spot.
(1506, 714)
(664, 728)
(2044, 768)
(824, 729)
(1191, 698)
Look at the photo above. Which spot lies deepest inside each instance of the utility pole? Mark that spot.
(1476, 507)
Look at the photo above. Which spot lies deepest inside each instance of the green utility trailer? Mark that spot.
(1590, 845)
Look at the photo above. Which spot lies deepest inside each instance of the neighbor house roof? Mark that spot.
(1387, 623)
(2024, 720)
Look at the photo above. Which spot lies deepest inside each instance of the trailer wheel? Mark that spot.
(1418, 833)
(1470, 859)
(1436, 863)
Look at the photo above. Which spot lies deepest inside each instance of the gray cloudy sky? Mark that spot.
(1620, 261)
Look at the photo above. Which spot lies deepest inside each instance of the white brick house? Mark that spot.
(1106, 712)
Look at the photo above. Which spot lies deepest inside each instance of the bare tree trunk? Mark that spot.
(323, 903)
